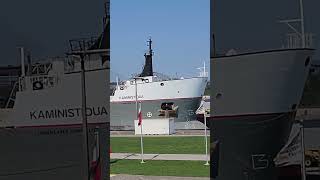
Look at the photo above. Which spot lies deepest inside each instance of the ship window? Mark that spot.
(167, 106)
(218, 96)
(121, 88)
(146, 80)
(293, 106)
(161, 84)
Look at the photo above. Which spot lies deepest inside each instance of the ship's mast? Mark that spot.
(203, 72)
(150, 47)
(147, 69)
(303, 38)
(107, 13)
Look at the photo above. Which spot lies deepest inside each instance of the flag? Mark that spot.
(215, 156)
(139, 115)
(95, 172)
(290, 154)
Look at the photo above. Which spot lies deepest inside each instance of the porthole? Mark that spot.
(146, 80)
(121, 88)
(161, 84)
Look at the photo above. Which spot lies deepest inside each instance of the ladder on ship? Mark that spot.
(37, 69)
(12, 97)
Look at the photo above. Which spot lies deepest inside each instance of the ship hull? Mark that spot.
(26, 153)
(248, 152)
(123, 114)
(253, 106)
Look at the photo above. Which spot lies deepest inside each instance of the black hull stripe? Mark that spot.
(54, 126)
(245, 115)
(262, 52)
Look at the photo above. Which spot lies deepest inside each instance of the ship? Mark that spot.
(258, 115)
(180, 96)
(253, 107)
(42, 121)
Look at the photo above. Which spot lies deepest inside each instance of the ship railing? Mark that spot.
(294, 40)
(82, 44)
(37, 82)
(41, 68)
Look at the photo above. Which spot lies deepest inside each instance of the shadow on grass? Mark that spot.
(113, 161)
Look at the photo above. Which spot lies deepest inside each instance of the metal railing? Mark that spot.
(294, 40)
(46, 81)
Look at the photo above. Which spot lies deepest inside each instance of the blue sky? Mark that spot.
(179, 30)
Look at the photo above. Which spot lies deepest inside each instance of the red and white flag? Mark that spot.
(139, 115)
(95, 172)
(290, 154)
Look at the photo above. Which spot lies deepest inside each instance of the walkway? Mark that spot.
(139, 177)
(170, 157)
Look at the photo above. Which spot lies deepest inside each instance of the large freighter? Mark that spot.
(253, 105)
(182, 95)
(254, 101)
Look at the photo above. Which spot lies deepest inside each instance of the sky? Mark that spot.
(180, 31)
(44, 27)
(250, 25)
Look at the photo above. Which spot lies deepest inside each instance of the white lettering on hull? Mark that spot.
(130, 97)
(67, 113)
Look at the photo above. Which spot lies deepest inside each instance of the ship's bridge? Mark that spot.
(141, 80)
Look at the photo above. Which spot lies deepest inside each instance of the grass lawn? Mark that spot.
(160, 168)
(161, 145)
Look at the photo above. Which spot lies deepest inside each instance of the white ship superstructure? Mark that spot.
(155, 94)
(41, 125)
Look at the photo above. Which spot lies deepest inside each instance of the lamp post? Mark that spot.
(83, 54)
(84, 120)
(206, 136)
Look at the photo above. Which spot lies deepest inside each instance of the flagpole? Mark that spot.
(205, 136)
(141, 137)
(137, 115)
(136, 88)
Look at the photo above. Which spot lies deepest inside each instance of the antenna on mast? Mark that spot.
(150, 46)
(107, 13)
(303, 36)
(203, 72)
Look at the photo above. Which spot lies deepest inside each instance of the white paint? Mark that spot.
(256, 83)
(61, 91)
(149, 89)
(155, 126)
